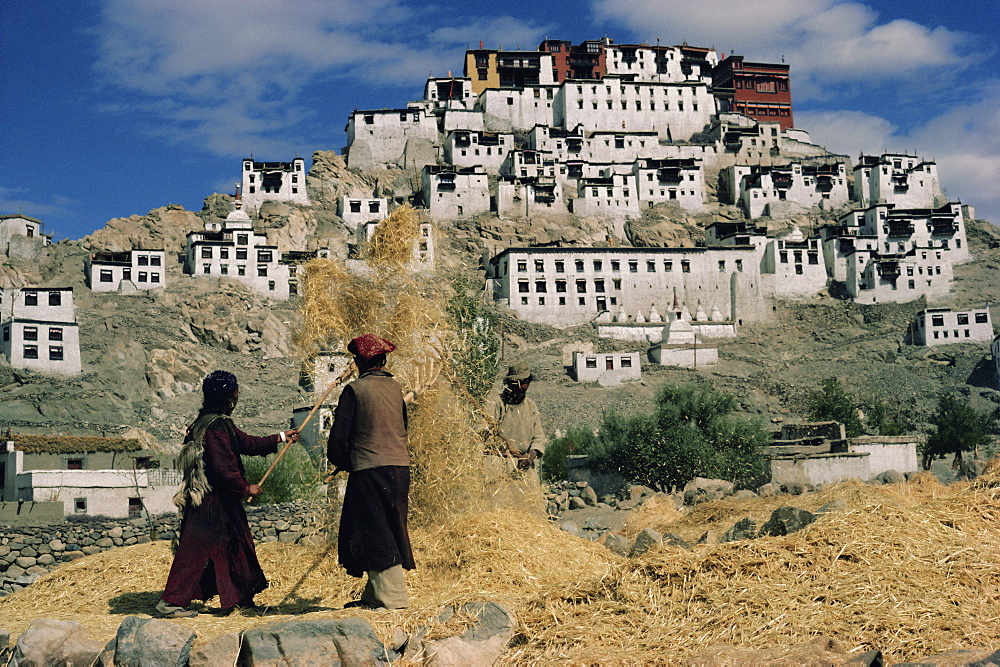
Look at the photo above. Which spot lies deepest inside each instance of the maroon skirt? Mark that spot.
(373, 534)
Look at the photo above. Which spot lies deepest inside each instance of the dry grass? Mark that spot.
(909, 569)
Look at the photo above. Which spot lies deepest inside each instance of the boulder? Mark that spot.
(51, 642)
(223, 650)
(744, 529)
(149, 641)
(589, 496)
(570, 527)
(482, 644)
(675, 541)
(714, 488)
(320, 641)
(890, 477)
(644, 541)
(794, 488)
(787, 520)
(744, 494)
(617, 543)
(638, 493)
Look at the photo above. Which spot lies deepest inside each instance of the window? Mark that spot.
(270, 285)
(154, 260)
(242, 239)
(241, 253)
(599, 285)
(241, 270)
(560, 266)
(355, 206)
(55, 299)
(541, 286)
(262, 272)
(739, 265)
(106, 276)
(206, 253)
(223, 253)
(581, 286)
(55, 333)
(224, 270)
(813, 258)
(126, 274)
(539, 266)
(783, 257)
(583, 300)
(650, 266)
(206, 268)
(80, 505)
(30, 351)
(590, 362)
(154, 277)
(579, 265)
(522, 266)
(626, 362)
(31, 298)
(963, 318)
(30, 333)
(722, 266)
(598, 265)
(616, 265)
(982, 318)
(560, 285)
(142, 277)
(134, 508)
(143, 260)
(264, 256)
(74, 464)
(523, 286)
(55, 353)
(937, 320)
(633, 266)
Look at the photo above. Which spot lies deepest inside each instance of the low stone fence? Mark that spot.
(27, 552)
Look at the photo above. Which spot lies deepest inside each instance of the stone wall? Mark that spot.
(27, 552)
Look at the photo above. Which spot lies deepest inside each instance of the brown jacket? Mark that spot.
(369, 424)
(520, 424)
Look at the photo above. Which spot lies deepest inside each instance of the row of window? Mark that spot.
(31, 298)
(638, 105)
(31, 333)
(148, 260)
(936, 337)
(601, 302)
(241, 270)
(55, 352)
(812, 255)
(107, 276)
(265, 256)
(609, 362)
(275, 189)
(962, 318)
(616, 265)
(295, 179)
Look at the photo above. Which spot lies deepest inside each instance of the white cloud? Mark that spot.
(232, 75)
(830, 40)
(963, 141)
(19, 200)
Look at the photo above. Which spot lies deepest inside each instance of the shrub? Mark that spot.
(476, 359)
(957, 428)
(577, 440)
(692, 433)
(294, 478)
(832, 403)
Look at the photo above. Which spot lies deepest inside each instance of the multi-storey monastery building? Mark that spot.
(38, 329)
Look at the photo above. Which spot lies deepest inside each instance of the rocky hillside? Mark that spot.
(144, 355)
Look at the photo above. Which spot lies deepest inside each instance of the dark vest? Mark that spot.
(378, 435)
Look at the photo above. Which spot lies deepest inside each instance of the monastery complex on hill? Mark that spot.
(603, 131)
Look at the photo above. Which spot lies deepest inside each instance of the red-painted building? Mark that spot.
(587, 60)
(759, 90)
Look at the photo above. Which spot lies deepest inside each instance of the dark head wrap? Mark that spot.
(369, 346)
(218, 387)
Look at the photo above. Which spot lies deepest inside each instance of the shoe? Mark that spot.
(363, 604)
(174, 611)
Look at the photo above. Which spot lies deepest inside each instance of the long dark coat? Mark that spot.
(215, 555)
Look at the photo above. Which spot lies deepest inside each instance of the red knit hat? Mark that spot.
(369, 346)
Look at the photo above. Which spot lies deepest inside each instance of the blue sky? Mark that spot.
(113, 108)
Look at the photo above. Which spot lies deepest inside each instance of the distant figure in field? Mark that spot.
(368, 439)
(215, 554)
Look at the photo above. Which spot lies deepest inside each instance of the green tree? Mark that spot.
(957, 428)
(832, 403)
(577, 440)
(692, 433)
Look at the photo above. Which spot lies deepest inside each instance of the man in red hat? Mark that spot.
(368, 439)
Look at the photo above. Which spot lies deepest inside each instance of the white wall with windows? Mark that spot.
(941, 326)
(143, 268)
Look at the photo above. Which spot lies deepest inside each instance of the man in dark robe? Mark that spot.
(368, 439)
(215, 554)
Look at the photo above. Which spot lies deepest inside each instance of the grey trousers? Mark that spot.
(386, 588)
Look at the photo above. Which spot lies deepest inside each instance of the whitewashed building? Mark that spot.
(139, 269)
(356, 211)
(38, 329)
(572, 286)
(681, 181)
(467, 148)
(18, 225)
(892, 178)
(274, 181)
(610, 196)
(451, 92)
(607, 367)
(380, 136)
(941, 326)
(455, 192)
(796, 264)
(525, 197)
(780, 190)
(874, 277)
(232, 249)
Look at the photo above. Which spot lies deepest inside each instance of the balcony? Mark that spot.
(670, 175)
(899, 228)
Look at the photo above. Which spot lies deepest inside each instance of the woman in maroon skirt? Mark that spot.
(215, 554)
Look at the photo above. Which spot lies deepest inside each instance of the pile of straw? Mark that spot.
(908, 569)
